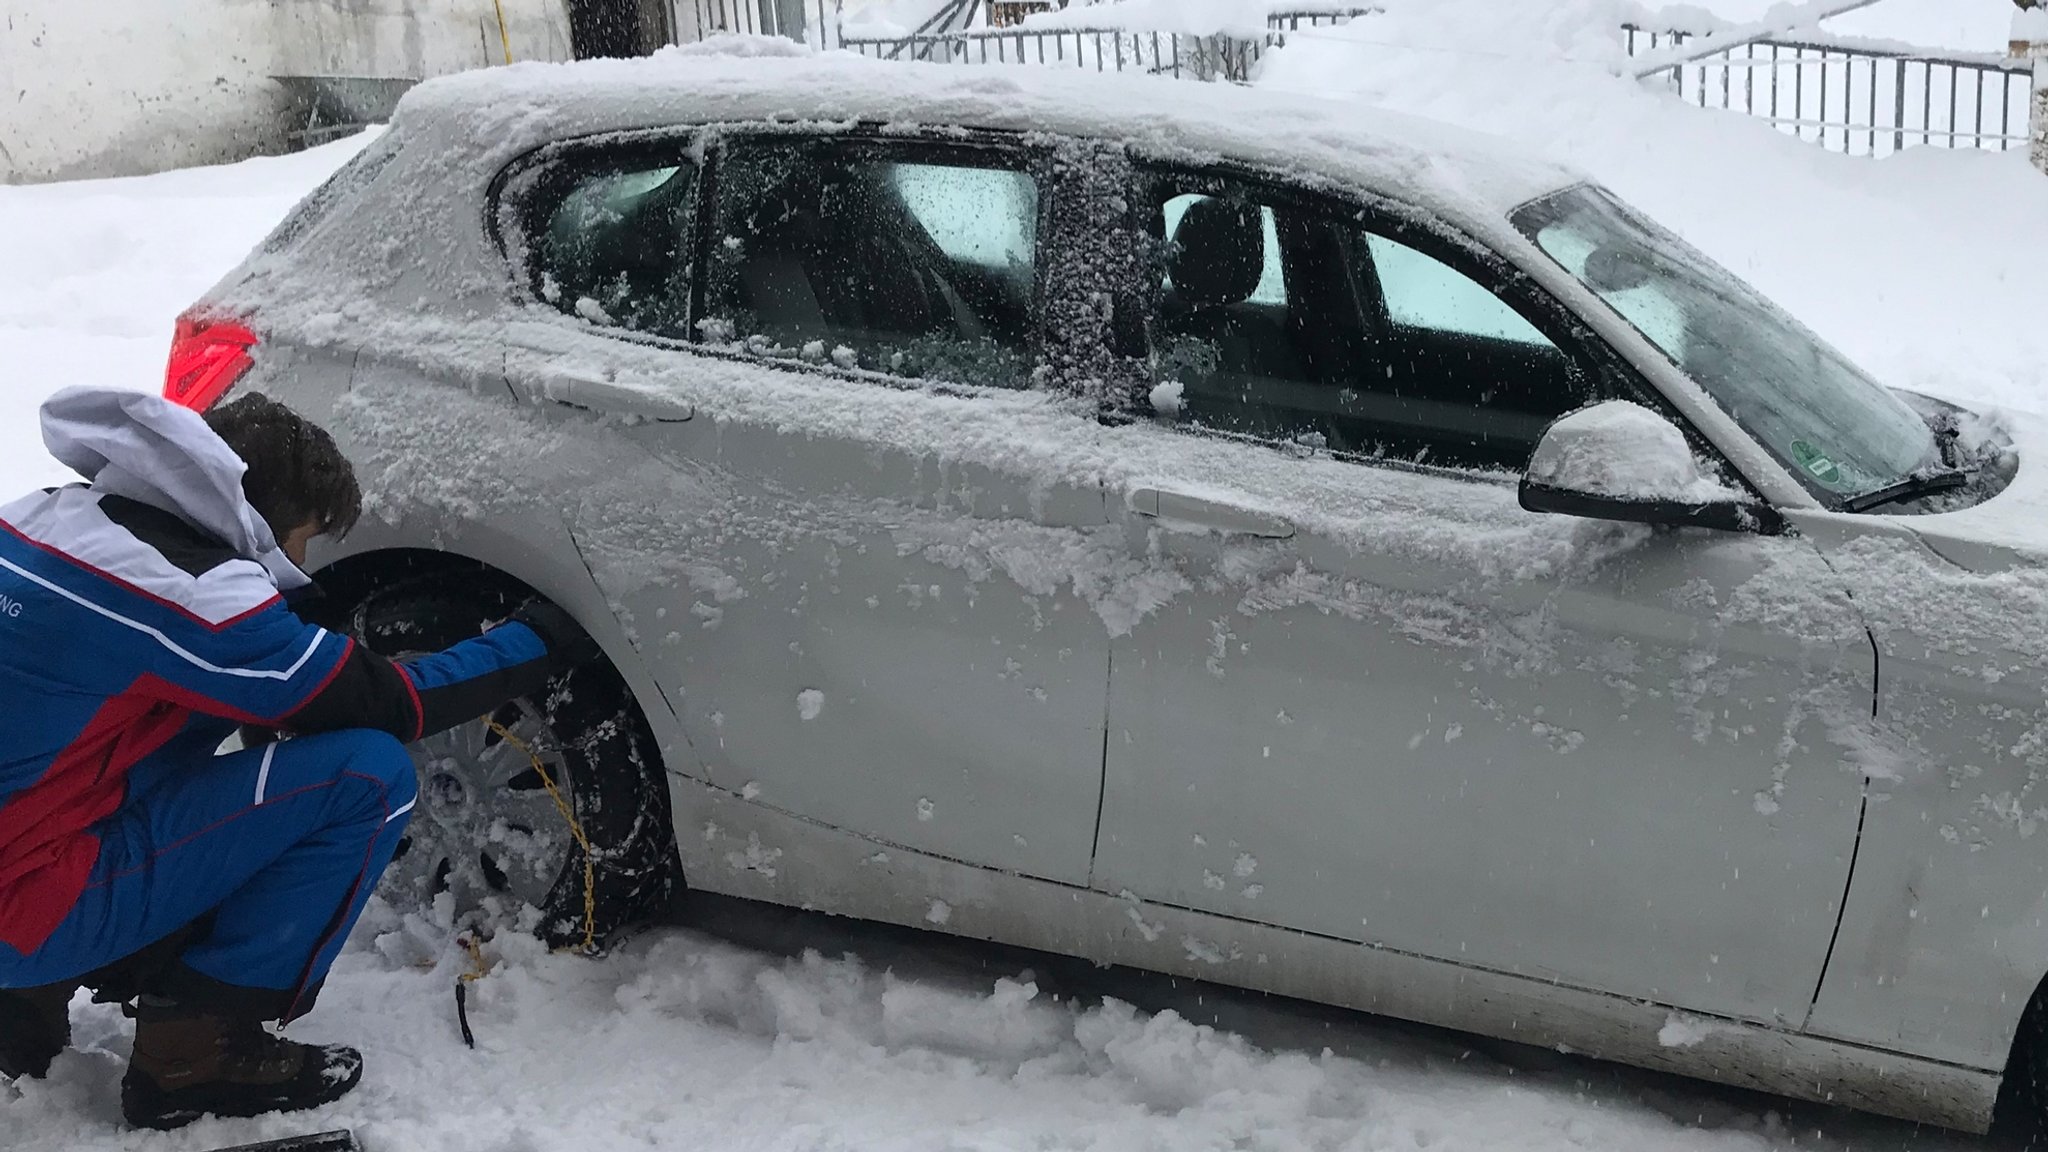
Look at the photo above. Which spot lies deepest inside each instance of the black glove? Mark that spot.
(568, 644)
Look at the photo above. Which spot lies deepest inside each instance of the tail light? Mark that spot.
(208, 355)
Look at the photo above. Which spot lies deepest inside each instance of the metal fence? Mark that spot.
(1855, 99)
(1863, 100)
(1096, 49)
(795, 19)
(1228, 58)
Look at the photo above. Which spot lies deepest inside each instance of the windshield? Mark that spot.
(1842, 433)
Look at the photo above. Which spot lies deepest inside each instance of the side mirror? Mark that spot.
(1620, 461)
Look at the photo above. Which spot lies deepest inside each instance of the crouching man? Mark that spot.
(141, 621)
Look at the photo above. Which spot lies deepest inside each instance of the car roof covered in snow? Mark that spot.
(513, 109)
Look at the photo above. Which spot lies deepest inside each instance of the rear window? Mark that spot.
(350, 179)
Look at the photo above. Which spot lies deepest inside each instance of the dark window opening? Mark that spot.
(1293, 323)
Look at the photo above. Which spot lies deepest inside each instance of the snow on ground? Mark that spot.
(93, 273)
(1922, 266)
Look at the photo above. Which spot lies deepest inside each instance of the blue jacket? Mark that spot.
(141, 614)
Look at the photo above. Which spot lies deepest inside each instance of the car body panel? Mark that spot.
(1948, 917)
(832, 621)
(1594, 760)
(855, 876)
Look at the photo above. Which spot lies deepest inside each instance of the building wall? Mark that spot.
(124, 87)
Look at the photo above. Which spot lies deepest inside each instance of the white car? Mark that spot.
(1186, 527)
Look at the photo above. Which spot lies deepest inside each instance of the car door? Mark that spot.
(821, 399)
(1395, 708)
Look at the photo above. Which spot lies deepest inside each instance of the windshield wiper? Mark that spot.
(1925, 483)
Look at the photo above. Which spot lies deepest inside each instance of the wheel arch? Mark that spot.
(348, 578)
(2022, 1109)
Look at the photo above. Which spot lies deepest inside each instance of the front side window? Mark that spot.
(1841, 432)
(913, 264)
(613, 241)
(1287, 319)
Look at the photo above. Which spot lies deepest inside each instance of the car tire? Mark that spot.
(590, 719)
(2020, 1117)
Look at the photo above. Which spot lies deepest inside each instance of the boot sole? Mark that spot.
(145, 1105)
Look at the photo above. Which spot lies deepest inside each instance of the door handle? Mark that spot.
(1215, 515)
(594, 394)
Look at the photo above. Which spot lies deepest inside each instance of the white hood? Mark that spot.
(148, 449)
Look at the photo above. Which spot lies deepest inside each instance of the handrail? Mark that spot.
(1849, 45)
(1766, 29)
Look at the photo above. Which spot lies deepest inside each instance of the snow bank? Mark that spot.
(1923, 267)
(683, 1041)
(1969, 25)
(96, 272)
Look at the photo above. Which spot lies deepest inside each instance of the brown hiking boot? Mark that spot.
(35, 1025)
(188, 1065)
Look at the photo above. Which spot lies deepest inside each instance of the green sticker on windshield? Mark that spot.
(1816, 463)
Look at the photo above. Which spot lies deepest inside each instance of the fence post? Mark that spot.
(2037, 118)
(2030, 43)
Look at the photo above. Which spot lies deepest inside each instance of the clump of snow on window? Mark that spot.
(1166, 398)
(926, 809)
(809, 703)
(1624, 451)
(938, 913)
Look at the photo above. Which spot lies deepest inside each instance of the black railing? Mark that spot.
(1857, 99)
(1227, 58)
(1179, 55)
(1093, 49)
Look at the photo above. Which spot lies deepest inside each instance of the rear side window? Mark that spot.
(611, 241)
(914, 263)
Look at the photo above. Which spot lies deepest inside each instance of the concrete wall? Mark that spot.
(123, 87)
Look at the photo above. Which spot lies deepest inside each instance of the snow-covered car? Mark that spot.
(1186, 527)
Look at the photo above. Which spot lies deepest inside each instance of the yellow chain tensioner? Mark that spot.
(575, 830)
(478, 967)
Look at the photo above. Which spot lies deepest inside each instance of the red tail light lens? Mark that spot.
(207, 356)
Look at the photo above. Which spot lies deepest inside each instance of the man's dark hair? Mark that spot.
(297, 476)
